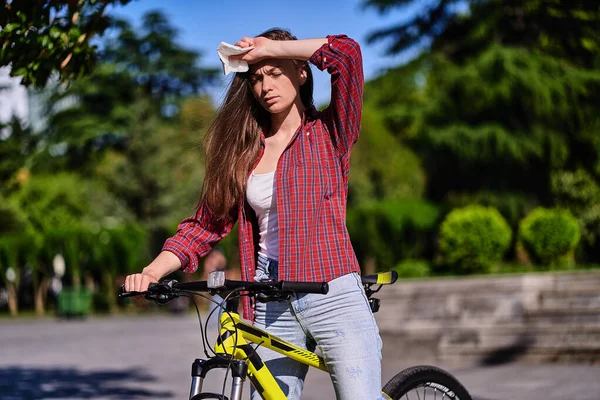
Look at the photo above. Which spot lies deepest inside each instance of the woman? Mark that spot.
(280, 168)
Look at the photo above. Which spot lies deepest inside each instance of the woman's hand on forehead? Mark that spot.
(261, 49)
(245, 42)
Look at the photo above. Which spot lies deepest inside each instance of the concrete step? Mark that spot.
(551, 316)
(549, 336)
(562, 316)
(501, 344)
(572, 298)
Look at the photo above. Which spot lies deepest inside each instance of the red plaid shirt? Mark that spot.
(311, 185)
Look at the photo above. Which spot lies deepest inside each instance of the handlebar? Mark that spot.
(265, 291)
(168, 289)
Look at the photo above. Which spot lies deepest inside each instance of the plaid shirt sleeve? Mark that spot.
(342, 58)
(198, 234)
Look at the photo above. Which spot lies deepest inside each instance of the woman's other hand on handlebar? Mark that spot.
(139, 282)
(163, 265)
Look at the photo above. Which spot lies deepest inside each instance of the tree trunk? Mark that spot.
(111, 296)
(13, 302)
(370, 265)
(40, 296)
(76, 278)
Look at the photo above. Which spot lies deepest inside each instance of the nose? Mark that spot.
(267, 84)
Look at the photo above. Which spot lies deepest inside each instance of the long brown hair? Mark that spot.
(232, 142)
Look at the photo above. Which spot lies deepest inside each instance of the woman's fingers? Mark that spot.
(245, 42)
(138, 282)
(146, 280)
(239, 56)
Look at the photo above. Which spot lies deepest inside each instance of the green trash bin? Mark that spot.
(74, 303)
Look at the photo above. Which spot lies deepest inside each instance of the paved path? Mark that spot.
(149, 357)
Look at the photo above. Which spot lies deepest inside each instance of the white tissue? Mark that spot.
(225, 50)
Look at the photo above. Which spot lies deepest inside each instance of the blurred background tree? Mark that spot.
(502, 99)
(496, 116)
(118, 164)
(41, 38)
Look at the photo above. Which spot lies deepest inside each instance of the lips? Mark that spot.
(270, 100)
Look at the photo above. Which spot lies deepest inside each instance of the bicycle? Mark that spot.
(234, 353)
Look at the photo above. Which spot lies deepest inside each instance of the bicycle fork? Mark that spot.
(239, 371)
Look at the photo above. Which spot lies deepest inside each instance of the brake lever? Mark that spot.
(162, 292)
(278, 296)
(159, 292)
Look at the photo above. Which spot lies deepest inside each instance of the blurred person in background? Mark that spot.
(279, 168)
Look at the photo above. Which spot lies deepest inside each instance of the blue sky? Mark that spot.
(203, 24)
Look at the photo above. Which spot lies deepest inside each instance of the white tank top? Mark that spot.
(261, 196)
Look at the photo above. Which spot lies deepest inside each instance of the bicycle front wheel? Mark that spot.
(425, 382)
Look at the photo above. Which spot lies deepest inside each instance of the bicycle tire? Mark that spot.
(207, 396)
(429, 378)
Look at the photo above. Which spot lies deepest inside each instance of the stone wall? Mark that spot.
(494, 319)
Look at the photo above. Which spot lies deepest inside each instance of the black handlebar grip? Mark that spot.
(123, 294)
(305, 287)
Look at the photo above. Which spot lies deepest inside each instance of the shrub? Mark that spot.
(412, 269)
(512, 206)
(473, 238)
(389, 231)
(579, 193)
(550, 236)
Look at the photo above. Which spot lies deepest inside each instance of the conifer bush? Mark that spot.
(472, 239)
(550, 236)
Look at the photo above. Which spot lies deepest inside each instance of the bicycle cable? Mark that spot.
(202, 333)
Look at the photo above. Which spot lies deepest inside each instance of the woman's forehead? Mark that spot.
(267, 65)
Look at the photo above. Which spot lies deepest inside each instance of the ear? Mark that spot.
(303, 76)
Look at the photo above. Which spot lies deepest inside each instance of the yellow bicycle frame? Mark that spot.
(234, 340)
(236, 336)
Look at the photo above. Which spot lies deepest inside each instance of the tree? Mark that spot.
(40, 38)
(504, 99)
(15, 153)
(60, 214)
(163, 69)
(565, 29)
(118, 129)
(383, 168)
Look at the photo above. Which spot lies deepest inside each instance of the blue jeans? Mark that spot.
(339, 323)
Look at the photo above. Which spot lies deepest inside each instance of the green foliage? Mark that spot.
(15, 151)
(455, 119)
(118, 167)
(12, 219)
(40, 38)
(556, 98)
(550, 236)
(512, 206)
(472, 239)
(391, 230)
(163, 69)
(459, 29)
(64, 200)
(381, 167)
(579, 193)
(413, 269)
